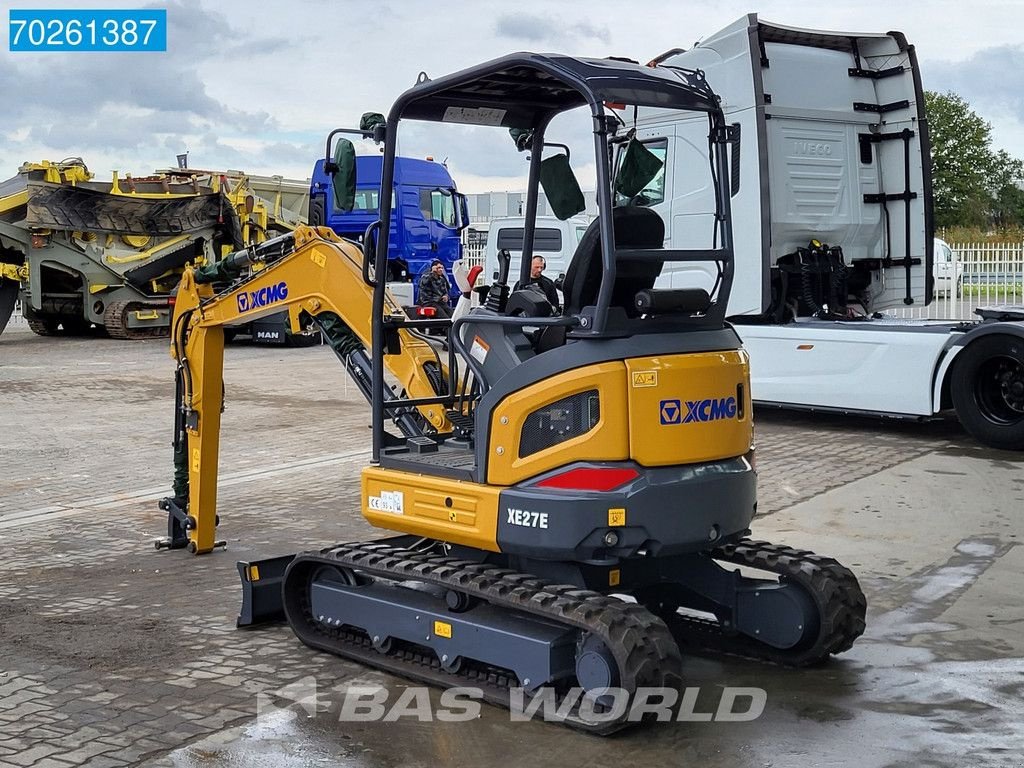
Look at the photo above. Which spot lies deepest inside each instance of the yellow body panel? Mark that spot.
(434, 507)
(607, 441)
(691, 413)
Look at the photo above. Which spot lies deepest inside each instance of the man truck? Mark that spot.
(428, 215)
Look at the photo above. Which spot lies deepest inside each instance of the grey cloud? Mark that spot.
(993, 77)
(541, 29)
(104, 130)
(485, 151)
(72, 90)
(198, 33)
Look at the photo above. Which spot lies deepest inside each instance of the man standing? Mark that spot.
(539, 282)
(434, 289)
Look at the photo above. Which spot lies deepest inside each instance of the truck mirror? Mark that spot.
(561, 187)
(343, 175)
(463, 209)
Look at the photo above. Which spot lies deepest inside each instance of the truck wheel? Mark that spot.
(988, 390)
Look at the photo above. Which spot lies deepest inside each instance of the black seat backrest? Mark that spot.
(635, 227)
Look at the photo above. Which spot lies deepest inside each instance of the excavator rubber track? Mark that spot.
(642, 646)
(115, 320)
(837, 595)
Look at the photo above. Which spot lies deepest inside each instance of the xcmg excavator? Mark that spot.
(533, 469)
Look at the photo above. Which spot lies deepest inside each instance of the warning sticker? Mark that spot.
(443, 629)
(392, 502)
(645, 378)
(474, 115)
(479, 349)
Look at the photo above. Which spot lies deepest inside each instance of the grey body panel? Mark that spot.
(537, 651)
(669, 510)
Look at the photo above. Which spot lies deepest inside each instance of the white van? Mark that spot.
(553, 239)
(948, 270)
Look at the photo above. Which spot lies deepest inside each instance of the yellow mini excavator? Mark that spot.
(533, 469)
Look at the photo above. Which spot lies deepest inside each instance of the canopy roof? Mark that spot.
(524, 90)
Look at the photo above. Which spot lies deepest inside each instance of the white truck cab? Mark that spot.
(832, 221)
(554, 239)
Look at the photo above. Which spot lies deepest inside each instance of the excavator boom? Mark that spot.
(312, 273)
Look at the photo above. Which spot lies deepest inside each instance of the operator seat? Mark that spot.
(635, 227)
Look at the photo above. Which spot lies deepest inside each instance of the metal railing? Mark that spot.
(473, 253)
(17, 321)
(980, 275)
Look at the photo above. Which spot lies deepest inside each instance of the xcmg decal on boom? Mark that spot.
(263, 297)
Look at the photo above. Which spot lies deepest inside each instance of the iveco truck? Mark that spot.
(832, 210)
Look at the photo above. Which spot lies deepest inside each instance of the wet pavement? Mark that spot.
(113, 654)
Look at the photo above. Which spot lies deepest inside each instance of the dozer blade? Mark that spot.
(262, 596)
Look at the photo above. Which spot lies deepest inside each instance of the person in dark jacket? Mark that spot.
(434, 289)
(539, 282)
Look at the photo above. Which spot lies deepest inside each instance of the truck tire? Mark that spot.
(988, 390)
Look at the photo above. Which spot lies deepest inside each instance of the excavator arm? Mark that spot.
(313, 273)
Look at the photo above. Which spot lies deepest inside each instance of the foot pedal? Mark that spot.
(421, 445)
(463, 424)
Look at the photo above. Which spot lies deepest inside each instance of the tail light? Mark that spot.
(590, 479)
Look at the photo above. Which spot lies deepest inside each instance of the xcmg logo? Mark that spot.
(263, 297)
(712, 409)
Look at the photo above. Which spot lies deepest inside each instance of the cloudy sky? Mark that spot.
(257, 86)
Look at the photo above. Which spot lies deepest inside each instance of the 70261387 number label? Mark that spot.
(87, 30)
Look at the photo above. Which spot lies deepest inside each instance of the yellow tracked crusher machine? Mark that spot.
(533, 468)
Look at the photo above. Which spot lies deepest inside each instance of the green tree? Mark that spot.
(973, 185)
(1008, 197)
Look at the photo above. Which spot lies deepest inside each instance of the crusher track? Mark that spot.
(116, 320)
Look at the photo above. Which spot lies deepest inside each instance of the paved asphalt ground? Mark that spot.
(112, 654)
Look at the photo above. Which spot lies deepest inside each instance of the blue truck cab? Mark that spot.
(427, 214)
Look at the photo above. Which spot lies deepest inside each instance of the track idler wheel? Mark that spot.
(596, 669)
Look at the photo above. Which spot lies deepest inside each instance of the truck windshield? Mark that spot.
(367, 200)
(654, 192)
